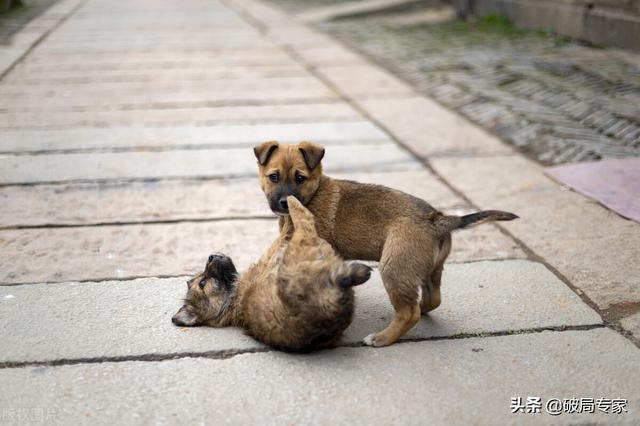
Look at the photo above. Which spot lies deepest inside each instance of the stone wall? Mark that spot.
(602, 22)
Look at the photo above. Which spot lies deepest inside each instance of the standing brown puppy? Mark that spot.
(410, 238)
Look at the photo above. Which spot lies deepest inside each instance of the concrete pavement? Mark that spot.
(125, 138)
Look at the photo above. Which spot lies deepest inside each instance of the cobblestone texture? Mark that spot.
(555, 99)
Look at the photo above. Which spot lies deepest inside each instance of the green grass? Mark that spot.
(497, 23)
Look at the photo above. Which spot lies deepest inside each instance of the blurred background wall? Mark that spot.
(603, 22)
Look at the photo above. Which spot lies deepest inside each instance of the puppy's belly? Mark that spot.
(351, 250)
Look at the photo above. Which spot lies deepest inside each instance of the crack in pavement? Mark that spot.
(186, 147)
(138, 222)
(230, 353)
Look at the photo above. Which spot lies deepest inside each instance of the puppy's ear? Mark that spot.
(356, 274)
(264, 151)
(196, 279)
(185, 317)
(311, 153)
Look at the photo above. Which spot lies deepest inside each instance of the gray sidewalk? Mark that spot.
(125, 158)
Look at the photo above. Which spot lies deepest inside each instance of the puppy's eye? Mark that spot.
(203, 282)
(300, 179)
(273, 177)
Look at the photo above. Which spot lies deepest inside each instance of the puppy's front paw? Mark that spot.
(370, 340)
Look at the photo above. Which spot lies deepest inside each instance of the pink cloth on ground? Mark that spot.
(614, 183)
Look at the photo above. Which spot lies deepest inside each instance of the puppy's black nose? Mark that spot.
(284, 204)
(210, 257)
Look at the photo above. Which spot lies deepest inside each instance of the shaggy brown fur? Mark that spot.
(410, 238)
(298, 297)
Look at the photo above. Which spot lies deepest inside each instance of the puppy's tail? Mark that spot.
(453, 223)
(302, 218)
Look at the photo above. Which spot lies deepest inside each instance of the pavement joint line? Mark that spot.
(99, 280)
(138, 222)
(160, 179)
(37, 83)
(186, 275)
(186, 147)
(171, 105)
(261, 27)
(531, 255)
(129, 181)
(223, 146)
(42, 38)
(230, 353)
(199, 123)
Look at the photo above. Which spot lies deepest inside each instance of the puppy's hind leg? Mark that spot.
(431, 285)
(402, 273)
(407, 312)
(431, 291)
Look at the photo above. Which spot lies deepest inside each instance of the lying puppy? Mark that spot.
(298, 297)
(369, 222)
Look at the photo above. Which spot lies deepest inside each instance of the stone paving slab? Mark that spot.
(108, 90)
(465, 381)
(113, 252)
(72, 62)
(592, 247)
(294, 34)
(99, 38)
(102, 20)
(123, 318)
(178, 200)
(429, 128)
(198, 163)
(187, 95)
(128, 38)
(146, 137)
(483, 242)
(329, 54)
(480, 297)
(9, 56)
(106, 319)
(363, 81)
(228, 43)
(326, 110)
(147, 250)
(160, 75)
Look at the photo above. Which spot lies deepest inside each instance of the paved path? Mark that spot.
(125, 135)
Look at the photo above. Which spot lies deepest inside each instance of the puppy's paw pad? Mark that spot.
(370, 340)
